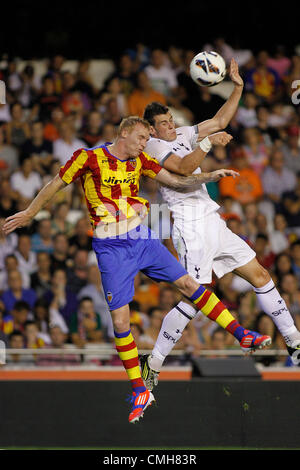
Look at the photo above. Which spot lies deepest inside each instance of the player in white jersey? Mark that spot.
(201, 237)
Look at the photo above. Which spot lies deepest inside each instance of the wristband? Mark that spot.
(205, 145)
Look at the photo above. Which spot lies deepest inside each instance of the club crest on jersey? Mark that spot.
(109, 296)
(132, 163)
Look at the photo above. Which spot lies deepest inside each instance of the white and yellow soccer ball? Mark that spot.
(208, 68)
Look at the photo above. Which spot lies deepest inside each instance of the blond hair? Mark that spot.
(130, 122)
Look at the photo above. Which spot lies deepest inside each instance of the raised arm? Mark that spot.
(182, 182)
(188, 164)
(226, 112)
(23, 218)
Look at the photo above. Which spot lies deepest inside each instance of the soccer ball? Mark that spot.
(208, 68)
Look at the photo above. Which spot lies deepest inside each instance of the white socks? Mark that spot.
(171, 330)
(176, 320)
(275, 307)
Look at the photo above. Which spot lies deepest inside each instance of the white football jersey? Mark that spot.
(190, 203)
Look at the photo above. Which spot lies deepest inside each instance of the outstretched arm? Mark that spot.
(23, 218)
(181, 182)
(226, 112)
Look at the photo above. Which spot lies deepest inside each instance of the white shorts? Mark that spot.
(209, 245)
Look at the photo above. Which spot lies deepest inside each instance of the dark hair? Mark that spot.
(85, 299)
(154, 109)
(21, 305)
(15, 333)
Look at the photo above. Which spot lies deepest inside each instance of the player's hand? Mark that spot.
(20, 219)
(220, 138)
(234, 73)
(218, 174)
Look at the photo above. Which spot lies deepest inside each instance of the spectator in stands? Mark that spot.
(290, 203)
(59, 221)
(108, 134)
(25, 256)
(279, 61)
(16, 292)
(125, 72)
(276, 178)
(46, 317)
(40, 280)
(84, 81)
(60, 297)
(58, 341)
(291, 150)
(31, 334)
(263, 251)
(218, 341)
(81, 238)
(162, 77)
(85, 324)
(17, 318)
(263, 80)
(27, 94)
(113, 90)
(59, 257)
(150, 334)
(16, 341)
(289, 285)
(48, 99)
(279, 237)
(8, 155)
(8, 245)
(26, 181)
(17, 130)
(295, 254)
(11, 264)
(68, 143)
(270, 135)
(167, 299)
(247, 187)
(39, 149)
(8, 198)
(91, 133)
(94, 290)
(78, 274)
(283, 265)
(42, 240)
(246, 114)
(255, 150)
(142, 95)
(52, 125)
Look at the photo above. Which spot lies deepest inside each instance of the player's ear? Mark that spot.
(152, 131)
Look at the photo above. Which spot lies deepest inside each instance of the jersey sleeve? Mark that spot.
(75, 167)
(150, 166)
(191, 134)
(159, 150)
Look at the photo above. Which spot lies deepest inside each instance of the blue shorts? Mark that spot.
(121, 258)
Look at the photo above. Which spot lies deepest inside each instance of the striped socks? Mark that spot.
(213, 308)
(128, 354)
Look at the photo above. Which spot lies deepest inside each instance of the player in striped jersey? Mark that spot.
(110, 178)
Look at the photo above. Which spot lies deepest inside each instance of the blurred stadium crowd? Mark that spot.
(50, 286)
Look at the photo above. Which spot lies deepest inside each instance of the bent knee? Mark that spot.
(187, 285)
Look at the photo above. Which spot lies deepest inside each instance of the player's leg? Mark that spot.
(271, 302)
(128, 353)
(164, 267)
(117, 275)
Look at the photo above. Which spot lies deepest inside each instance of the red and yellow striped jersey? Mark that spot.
(110, 185)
